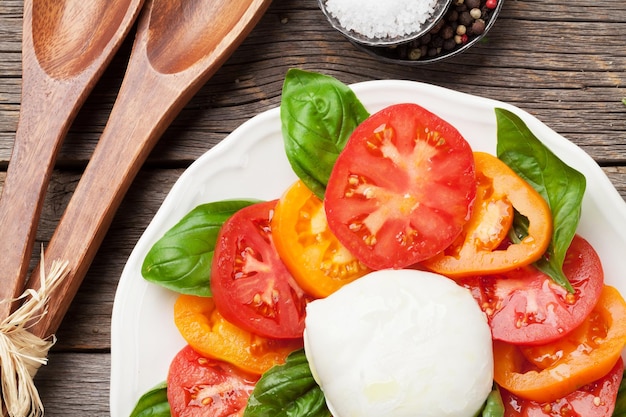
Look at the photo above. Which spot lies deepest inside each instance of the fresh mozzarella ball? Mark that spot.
(400, 343)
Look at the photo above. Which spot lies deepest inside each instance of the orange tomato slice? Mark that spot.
(559, 368)
(318, 262)
(209, 334)
(477, 251)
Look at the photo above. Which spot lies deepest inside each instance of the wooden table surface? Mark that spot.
(564, 62)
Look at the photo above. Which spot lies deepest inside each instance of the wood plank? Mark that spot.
(75, 384)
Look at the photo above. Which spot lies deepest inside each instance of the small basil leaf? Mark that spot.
(181, 259)
(519, 229)
(153, 403)
(318, 114)
(561, 186)
(288, 390)
(494, 407)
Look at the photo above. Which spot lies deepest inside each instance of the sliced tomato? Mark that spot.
(525, 306)
(208, 333)
(579, 342)
(574, 362)
(314, 256)
(198, 386)
(478, 250)
(402, 188)
(596, 399)
(251, 286)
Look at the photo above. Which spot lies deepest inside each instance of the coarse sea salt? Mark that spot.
(381, 19)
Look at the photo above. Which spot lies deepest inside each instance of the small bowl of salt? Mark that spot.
(383, 22)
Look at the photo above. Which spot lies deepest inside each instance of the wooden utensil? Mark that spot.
(66, 46)
(178, 46)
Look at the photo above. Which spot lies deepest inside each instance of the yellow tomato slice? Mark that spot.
(209, 334)
(477, 251)
(319, 263)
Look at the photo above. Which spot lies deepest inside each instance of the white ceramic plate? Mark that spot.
(251, 163)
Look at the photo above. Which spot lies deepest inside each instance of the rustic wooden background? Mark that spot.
(564, 62)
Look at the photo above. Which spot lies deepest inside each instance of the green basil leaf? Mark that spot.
(153, 403)
(318, 114)
(181, 259)
(288, 390)
(519, 229)
(494, 407)
(561, 186)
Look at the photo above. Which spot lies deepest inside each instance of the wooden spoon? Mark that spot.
(66, 45)
(179, 46)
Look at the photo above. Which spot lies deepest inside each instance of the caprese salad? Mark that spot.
(403, 274)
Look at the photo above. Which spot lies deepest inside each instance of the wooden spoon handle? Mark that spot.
(38, 139)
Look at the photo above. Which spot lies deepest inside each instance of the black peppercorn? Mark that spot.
(447, 32)
(437, 42)
(452, 16)
(466, 18)
(478, 27)
(449, 44)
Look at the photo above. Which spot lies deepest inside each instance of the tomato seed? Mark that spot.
(355, 227)
(370, 240)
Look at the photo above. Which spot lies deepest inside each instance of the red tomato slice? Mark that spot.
(593, 400)
(525, 306)
(199, 386)
(581, 357)
(402, 188)
(251, 286)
